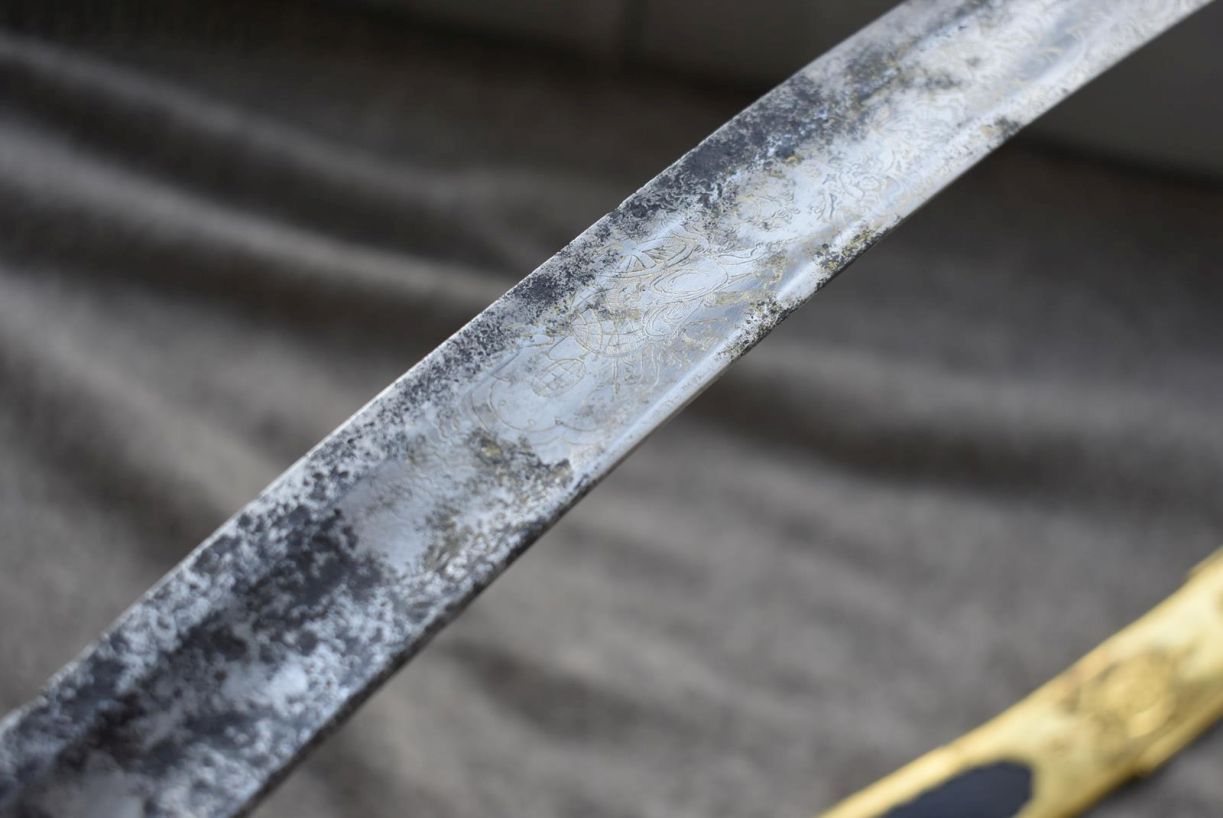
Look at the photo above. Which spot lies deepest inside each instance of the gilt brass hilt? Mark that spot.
(1119, 712)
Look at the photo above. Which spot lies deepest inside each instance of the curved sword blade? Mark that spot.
(208, 689)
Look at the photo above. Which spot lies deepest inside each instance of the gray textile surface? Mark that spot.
(991, 443)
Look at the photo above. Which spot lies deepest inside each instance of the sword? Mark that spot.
(207, 690)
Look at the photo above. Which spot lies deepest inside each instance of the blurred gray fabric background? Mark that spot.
(991, 443)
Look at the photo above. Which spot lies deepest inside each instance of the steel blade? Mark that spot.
(204, 693)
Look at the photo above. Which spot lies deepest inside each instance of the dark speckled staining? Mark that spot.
(206, 692)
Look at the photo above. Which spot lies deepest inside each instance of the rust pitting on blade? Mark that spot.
(840, 256)
(801, 112)
(523, 480)
(1004, 128)
(225, 702)
(761, 319)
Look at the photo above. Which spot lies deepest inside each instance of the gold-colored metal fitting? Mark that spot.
(1120, 712)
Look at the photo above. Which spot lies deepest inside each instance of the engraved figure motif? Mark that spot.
(1128, 702)
(663, 305)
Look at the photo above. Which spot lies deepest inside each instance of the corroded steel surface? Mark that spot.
(209, 688)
